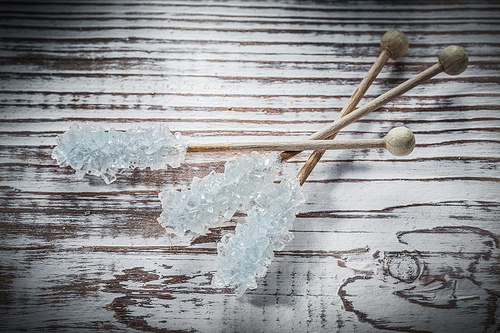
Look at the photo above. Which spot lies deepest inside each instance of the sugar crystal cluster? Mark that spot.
(218, 195)
(89, 149)
(245, 255)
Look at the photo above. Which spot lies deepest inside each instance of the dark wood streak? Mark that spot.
(444, 179)
(455, 229)
(314, 32)
(458, 6)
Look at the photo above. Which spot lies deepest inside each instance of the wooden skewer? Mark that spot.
(393, 44)
(453, 60)
(400, 141)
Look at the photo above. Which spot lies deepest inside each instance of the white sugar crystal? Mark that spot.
(218, 195)
(90, 149)
(245, 255)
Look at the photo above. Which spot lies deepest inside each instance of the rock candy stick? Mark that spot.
(89, 149)
(218, 195)
(245, 255)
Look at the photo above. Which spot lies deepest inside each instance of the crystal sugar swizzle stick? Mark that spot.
(90, 149)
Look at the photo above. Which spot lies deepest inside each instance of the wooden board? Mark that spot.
(408, 244)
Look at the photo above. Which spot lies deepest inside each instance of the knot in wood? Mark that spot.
(404, 267)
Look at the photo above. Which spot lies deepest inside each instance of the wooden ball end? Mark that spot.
(454, 60)
(400, 141)
(395, 42)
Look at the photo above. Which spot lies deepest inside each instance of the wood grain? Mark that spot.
(382, 244)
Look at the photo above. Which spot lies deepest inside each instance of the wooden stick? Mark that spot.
(453, 60)
(393, 44)
(196, 147)
(400, 141)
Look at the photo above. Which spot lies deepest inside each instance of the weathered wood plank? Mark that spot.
(381, 244)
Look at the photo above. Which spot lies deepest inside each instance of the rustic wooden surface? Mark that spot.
(382, 244)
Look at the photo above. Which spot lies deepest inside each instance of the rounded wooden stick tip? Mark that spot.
(400, 141)
(454, 60)
(395, 42)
